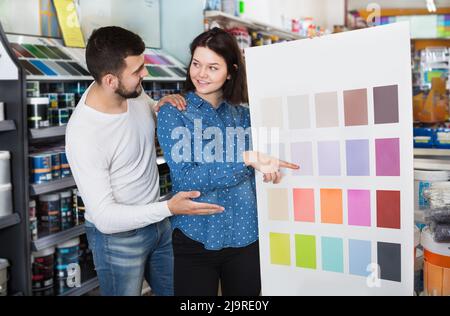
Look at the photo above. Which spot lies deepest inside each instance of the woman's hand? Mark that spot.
(269, 166)
(175, 100)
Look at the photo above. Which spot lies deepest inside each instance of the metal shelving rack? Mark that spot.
(15, 136)
(14, 229)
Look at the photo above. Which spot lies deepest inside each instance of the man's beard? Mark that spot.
(127, 94)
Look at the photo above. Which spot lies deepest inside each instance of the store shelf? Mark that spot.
(52, 186)
(7, 126)
(432, 164)
(432, 152)
(10, 220)
(49, 132)
(252, 25)
(85, 288)
(57, 238)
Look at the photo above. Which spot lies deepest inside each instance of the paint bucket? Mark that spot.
(80, 210)
(40, 168)
(67, 253)
(66, 209)
(65, 167)
(418, 272)
(33, 220)
(422, 181)
(49, 212)
(4, 264)
(66, 100)
(42, 270)
(2, 111)
(38, 112)
(436, 265)
(5, 167)
(6, 204)
(52, 99)
(56, 165)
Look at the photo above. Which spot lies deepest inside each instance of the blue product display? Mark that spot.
(424, 137)
(442, 139)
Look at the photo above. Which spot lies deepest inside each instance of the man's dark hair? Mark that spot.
(225, 45)
(107, 49)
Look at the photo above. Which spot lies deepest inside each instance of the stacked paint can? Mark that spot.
(67, 255)
(48, 166)
(436, 265)
(66, 100)
(6, 204)
(38, 112)
(4, 264)
(49, 213)
(65, 168)
(40, 168)
(80, 210)
(67, 219)
(33, 220)
(42, 272)
(52, 99)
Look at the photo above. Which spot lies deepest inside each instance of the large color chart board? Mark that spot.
(341, 107)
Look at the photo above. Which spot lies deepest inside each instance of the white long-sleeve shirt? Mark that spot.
(113, 161)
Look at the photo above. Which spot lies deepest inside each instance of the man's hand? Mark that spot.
(268, 165)
(181, 204)
(175, 100)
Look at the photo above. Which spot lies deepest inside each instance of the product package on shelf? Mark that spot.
(438, 215)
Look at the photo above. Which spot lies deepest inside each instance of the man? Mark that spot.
(110, 148)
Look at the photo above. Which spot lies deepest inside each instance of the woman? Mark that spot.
(218, 247)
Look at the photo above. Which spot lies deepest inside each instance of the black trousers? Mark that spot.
(197, 271)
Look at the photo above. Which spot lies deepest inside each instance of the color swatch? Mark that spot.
(331, 206)
(359, 213)
(332, 254)
(327, 114)
(360, 257)
(305, 248)
(278, 204)
(388, 209)
(329, 158)
(355, 105)
(280, 249)
(299, 112)
(271, 112)
(358, 161)
(390, 261)
(388, 157)
(304, 205)
(386, 104)
(302, 155)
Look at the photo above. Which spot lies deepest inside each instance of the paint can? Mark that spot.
(56, 165)
(65, 167)
(5, 167)
(52, 99)
(49, 212)
(66, 210)
(33, 89)
(38, 112)
(67, 253)
(58, 117)
(42, 271)
(80, 210)
(6, 204)
(436, 265)
(40, 168)
(66, 100)
(4, 264)
(33, 220)
(2, 111)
